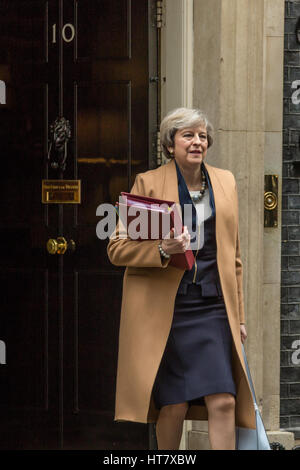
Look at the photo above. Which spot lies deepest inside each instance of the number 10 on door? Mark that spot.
(68, 33)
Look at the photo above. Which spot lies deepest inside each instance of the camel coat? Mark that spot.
(149, 290)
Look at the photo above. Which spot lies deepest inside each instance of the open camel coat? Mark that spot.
(149, 290)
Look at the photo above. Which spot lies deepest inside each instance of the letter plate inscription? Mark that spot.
(61, 191)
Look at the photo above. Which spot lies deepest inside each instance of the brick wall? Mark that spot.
(290, 275)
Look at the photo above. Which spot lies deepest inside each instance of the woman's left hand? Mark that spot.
(243, 333)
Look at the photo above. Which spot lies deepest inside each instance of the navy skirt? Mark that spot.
(197, 360)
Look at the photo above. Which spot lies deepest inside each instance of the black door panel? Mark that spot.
(87, 61)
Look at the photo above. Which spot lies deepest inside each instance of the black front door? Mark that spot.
(86, 61)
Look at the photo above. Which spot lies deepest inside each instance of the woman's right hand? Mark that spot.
(179, 244)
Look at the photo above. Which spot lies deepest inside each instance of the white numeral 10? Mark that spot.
(64, 33)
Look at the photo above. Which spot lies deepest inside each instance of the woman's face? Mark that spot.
(190, 145)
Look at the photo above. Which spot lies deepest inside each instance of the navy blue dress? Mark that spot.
(197, 360)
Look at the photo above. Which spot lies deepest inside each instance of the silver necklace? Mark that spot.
(199, 196)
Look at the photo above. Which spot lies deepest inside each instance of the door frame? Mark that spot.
(177, 68)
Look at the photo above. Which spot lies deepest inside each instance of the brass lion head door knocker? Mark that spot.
(60, 134)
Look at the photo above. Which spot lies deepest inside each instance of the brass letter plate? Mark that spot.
(271, 201)
(61, 191)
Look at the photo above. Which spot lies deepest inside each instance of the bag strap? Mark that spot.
(249, 377)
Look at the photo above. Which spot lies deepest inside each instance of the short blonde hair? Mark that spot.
(180, 118)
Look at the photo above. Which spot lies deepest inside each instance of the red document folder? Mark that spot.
(157, 217)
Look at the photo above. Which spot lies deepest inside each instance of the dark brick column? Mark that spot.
(290, 269)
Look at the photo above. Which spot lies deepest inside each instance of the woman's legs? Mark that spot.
(221, 421)
(169, 426)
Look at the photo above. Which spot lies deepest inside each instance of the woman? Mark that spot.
(180, 338)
